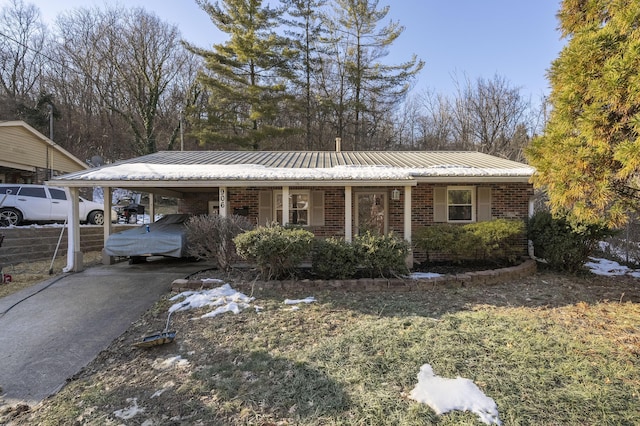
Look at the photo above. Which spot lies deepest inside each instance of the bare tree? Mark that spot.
(491, 116)
(126, 59)
(22, 39)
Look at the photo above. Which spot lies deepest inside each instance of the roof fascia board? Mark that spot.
(228, 183)
(478, 179)
(12, 165)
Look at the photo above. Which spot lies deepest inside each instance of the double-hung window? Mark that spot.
(460, 204)
(298, 207)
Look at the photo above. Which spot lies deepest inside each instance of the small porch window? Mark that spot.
(298, 207)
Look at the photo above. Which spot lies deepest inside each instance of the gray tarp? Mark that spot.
(166, 237)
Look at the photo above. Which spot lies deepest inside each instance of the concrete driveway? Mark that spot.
(50, 331)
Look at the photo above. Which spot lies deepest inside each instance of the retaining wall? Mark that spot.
(489, 277)
(22, 244)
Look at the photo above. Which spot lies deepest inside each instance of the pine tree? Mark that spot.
(588, 158)
(246, 77)
(307, 32)
(361, 44)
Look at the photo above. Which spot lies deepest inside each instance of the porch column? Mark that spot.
(348, 231)
(222, 200)
(74, 255)
(107, 227)
(407, 213)
(407, 223)
(285, 205)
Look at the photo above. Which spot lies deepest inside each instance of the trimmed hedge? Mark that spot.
(372, 255)
(497, 240)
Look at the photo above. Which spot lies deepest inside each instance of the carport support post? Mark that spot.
(107, 227)
(74, 255)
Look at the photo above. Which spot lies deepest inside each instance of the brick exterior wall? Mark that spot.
(508, 201)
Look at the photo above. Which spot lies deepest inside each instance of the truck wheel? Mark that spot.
(10, 216)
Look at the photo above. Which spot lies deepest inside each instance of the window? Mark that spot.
(460, 202)
(35, 191)
(57, 194)
(298, 207)
(9, 190)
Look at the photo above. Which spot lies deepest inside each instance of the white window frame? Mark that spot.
(472, 190)
(291, 209)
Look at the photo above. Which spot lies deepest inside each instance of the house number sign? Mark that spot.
(222, 198)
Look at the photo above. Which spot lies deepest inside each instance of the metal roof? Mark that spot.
(328, 159)
(201, 168)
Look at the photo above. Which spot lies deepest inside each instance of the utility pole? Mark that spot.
(50, 109)
(181, 132)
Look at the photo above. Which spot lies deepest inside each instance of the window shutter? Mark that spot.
(317, 208)
(484, 203)
(265, 208)
(440, 204)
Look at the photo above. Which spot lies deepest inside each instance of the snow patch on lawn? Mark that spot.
(131, 411)
(444, 395)
(610, 268)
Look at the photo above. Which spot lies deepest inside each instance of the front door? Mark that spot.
(371, 213)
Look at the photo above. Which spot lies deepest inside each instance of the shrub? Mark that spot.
(381, 255)
(494, 240)
(563, 246)
(498, 239)
(452, 240)
(211, 237)
(276, 250)
(334, 258)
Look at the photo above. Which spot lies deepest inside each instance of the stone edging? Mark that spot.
(477, 278)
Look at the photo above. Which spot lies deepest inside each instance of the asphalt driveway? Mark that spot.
(50, 331)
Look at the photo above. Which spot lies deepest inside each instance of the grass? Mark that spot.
(549, 350)
(26, 274)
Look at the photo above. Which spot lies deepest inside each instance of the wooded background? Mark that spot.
(120, 82)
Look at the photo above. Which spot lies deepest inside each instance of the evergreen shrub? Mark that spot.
(276, 250)
(381, 255)
(563, 246)
(496, 241)
(334, 258)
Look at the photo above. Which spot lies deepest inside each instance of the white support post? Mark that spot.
(285, 205)
(107, 227)
(407, 223)
(74, 255)
(348, 213)
(407, 213)
(223, 201)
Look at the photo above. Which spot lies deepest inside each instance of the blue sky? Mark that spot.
(514, 39)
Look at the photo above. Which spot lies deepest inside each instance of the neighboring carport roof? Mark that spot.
(259, 168)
